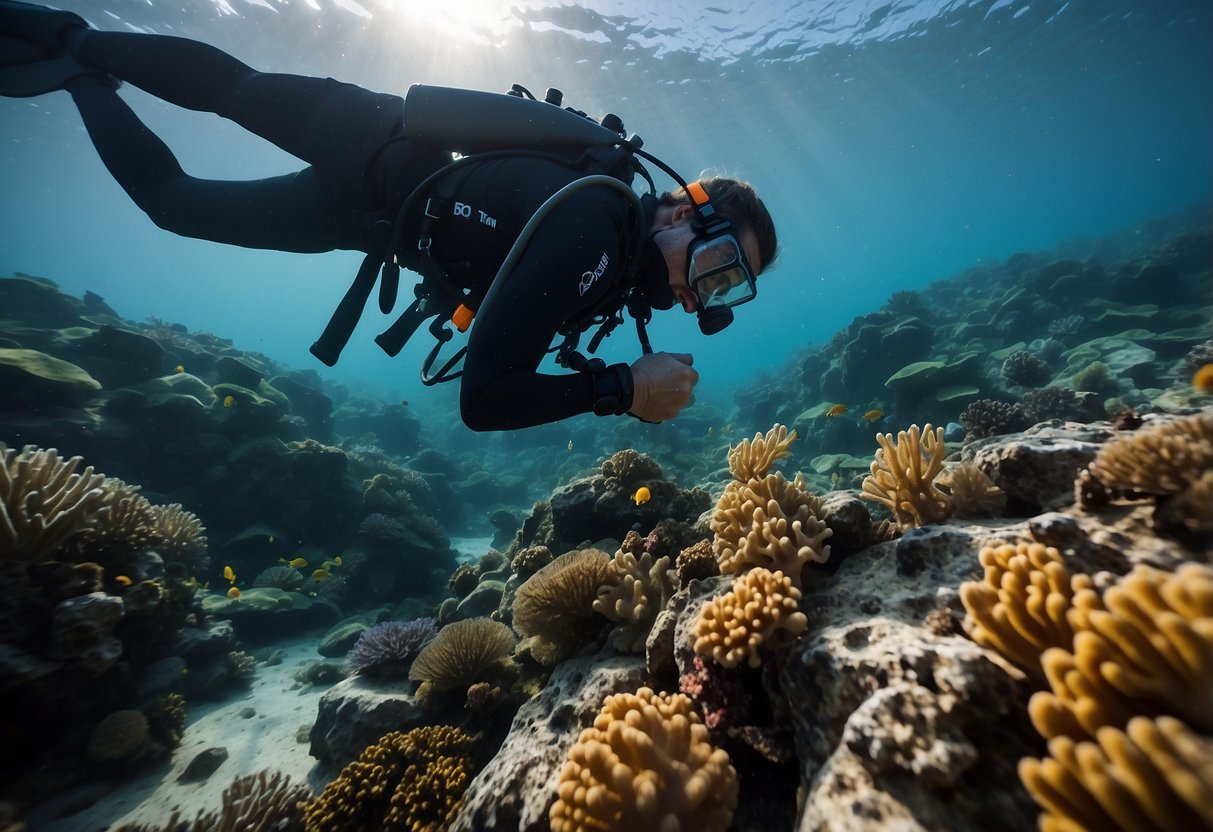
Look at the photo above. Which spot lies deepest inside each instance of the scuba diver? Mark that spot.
(521, 217)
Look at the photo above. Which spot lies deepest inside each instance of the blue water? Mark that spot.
(895, 143)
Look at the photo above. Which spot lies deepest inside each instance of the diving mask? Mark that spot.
(718, 272)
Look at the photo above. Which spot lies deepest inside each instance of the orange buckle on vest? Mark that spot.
(462, 318)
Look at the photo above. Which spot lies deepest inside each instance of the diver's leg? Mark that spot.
(319, 120)
(288, 213)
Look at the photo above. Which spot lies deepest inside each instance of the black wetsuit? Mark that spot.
(361, 168)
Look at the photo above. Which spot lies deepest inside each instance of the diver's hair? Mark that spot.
(738, 202)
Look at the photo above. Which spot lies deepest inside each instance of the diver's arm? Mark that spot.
(501, 386)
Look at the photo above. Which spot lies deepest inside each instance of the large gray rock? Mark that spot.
(515, 790)
(82, 632)
(356, 713)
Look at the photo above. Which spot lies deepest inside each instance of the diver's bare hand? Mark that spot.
(662, 385)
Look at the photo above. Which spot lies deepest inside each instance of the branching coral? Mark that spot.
(125, 525)
(461, 654)
(972, 493)
(556, 605)
(406, 782)
(1025, 368)
(183, 539)
(627, 467)
(1154, 775)
(763, 519)
(43, 501)
(646, 763)
(1049, 403)
(1021, 608)
(635, 592)
(989, 417)
(903, 476)
(1150, 650)
(753, 458)
(1166, 458)
(761, 606)
(261, 802)
(388, 649)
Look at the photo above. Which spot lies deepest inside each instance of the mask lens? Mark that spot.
(719, 274)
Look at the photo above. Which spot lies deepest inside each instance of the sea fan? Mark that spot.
(388, 649)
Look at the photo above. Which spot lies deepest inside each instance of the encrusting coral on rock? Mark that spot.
(407, 782)
(646, 763)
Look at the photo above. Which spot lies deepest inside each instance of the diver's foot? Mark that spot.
(38, 25)
(25, 71)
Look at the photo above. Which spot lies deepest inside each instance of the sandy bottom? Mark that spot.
(260, 728)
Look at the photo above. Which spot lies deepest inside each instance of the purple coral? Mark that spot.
(387, 650)
(721, 696)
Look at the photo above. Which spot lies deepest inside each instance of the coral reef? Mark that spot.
(43, 501)
(261, 802)
(1020, 609)
(555, 607)
(1025, 369)
(902, 477)
(1156, 774)
(646, 763)
(988, 417)
(388, 649)
(407, 782)
(461, 654)
(629, 467)
(761, 607)
(763, 519)
(637, 590)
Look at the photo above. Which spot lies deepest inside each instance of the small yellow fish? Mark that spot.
(298, 563)
(180, 368)
(233, 593)
(1202, 379)
(320, 574)
(570, 446)
(642, 495)
(873, 414)
(269, 539)
(836, 410)
(835, 479)
(192, 583)
(228, 401)
(338, 560)
(229, 574)
(123, 580)
(711, 430)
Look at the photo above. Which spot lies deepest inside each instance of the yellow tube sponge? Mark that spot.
(760, 607)
(44, 502)
(1155, 775)
(645, 764)
(903, 476)
(1150, 650)
(1025, 604)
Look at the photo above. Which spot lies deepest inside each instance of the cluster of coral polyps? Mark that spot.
(646, 763)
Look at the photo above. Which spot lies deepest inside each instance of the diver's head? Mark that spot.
(711, 265)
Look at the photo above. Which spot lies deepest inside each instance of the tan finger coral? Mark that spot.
(1162, 459)
(646, 764)
(761, 606)
(182, 537)
(1154, 775)
(43, 501)
(1150, 650)
(770, 522)
(903, 476)
(637, 590)
(753, 458)
(555, 606)
(972, 493)
(1024, 605)
(460, 655)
